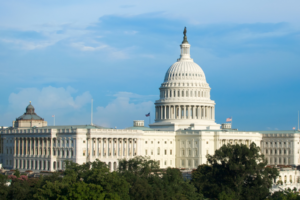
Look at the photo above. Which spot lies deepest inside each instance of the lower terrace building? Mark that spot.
(183, 134)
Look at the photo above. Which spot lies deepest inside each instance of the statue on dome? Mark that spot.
(184, 32)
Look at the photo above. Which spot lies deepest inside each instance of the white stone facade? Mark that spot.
(183, 134)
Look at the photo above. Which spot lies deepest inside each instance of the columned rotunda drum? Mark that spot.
(185, 97)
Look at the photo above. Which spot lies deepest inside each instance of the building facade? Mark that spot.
(183, 134)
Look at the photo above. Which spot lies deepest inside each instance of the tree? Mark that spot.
(285, 195)
(3, 187)
(236, 169)
(148, 182)
(17, 173)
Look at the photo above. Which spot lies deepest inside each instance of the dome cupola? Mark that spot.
(184, 96)
(29, 109)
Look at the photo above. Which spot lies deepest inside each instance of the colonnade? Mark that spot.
(183, 93)
(32, 164)
(26, 146)
(185, 112)
(112, 147)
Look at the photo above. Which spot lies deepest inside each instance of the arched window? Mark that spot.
(182, 93)
(178, 93)
(187, 93)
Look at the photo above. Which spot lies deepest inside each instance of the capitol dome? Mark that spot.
(185, 70)
(184, 96)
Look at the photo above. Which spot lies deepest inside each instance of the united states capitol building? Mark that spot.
(183, 133)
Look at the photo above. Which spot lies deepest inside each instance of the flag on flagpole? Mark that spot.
(294, 128)
(148, 115)
(53, 115)
(229, 119)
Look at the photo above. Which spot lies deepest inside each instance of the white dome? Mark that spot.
(185, 70)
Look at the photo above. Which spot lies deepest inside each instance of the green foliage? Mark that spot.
(17, 173)
(147, 181)
(285, 195)
(235, 170)
(3, 187)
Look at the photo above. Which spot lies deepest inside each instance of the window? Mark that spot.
(83, 152)
(158, 151)
(158, 142)
(171, 142)
(145, 142)
(171, 152)
(182, 163)
(266, 151)
(165, 151)
(159, 162)
(190, 153)
(146, 152)
(165, 162)
(151, 152)
(83, 141)
(183, 152)
(165, 142)
(151, 142)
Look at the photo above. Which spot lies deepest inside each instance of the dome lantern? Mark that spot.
(185, 49)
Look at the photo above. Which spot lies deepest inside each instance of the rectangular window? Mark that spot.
(182, 163)
(83, 152)
(170, 162)
(83, 141)
(151, 152)
(165, 151)
(170, 151)
(146, 152)
(183, 152)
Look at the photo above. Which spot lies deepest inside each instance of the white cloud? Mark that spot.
(121, 111)
(49, 99)
(69, 108)
(29, 45)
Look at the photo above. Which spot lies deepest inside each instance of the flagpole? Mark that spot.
(54, 120)
(149, 119)
(231, 123)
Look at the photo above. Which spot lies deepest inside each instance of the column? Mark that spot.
(124, 147)
(107, 147)
(169, 111)
(132, 143)
(213, 113)
(93, 146)
(19, 146)
(15, 147)
(39, 144)
(205, 112)
(184, 112)
(25, 146)
(161, 112)
(97, 147)
(120, 147)
(136, 146)
(47, 152)
(51, 150)
(165, 112)
(34, 146)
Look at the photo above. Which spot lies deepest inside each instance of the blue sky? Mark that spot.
(60, 54)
